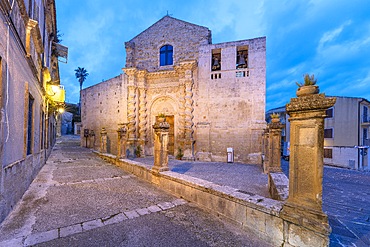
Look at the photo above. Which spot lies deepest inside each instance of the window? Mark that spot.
(30, 124)
(166, 55)
(365, 115)
(328, 153)
(330, 113)
(216, 60)
(365, 137)
(328, 133)
(242, 57)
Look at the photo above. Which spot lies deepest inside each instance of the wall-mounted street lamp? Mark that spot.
(55, 92)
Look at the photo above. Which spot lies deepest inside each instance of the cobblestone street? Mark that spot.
(79, 200)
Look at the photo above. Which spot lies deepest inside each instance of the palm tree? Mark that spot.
(81, 74)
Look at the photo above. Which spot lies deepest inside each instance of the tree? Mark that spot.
(81, 74)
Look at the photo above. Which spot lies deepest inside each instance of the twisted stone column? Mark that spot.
(131, 112)
(182, 111)
(142, 115)
(189, 110)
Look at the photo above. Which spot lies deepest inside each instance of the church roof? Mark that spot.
(168, 18)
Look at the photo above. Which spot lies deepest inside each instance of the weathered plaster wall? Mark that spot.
(20, 79)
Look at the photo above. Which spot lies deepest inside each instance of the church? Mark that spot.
(212, 95)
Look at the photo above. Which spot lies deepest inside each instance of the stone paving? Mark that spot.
(80, 200)
(77, 199)
(346, 201)
(346, 193)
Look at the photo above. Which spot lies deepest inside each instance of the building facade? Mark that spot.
(29, 87)
(346, 133)
(213, 95)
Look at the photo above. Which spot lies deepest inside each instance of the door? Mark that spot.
(171, 135)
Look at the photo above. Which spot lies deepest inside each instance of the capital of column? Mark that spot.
(314, 102)
(185, 69)
(161, 127)
(103, 131)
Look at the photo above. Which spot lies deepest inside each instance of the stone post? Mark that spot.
(265, 147)
(103, 140)
(275, 128)
(91, 139)
(161, 130)
(302, 211)
(122, 142)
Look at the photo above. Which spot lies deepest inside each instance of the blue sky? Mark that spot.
(328, 38)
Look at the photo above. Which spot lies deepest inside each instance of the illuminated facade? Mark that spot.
(213, 95)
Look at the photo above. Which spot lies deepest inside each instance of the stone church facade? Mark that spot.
(213, 95)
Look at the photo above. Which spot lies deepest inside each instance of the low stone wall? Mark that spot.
(16, 179)
(278, 184)
(255, 213)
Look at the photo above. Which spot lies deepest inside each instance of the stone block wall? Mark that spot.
(104, 105)
(143, 50)
(231, 108)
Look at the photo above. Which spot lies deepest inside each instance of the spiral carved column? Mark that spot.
(188, 147)
(182, 112)
(142, 117)
(131, 112)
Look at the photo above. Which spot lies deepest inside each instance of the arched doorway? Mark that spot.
(167, 106)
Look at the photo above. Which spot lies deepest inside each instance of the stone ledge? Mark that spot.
(253, 212)
(278, 184)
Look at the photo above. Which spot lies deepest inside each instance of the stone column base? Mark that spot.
(316, 221)
(159, 169)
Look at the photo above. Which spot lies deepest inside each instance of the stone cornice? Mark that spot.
(36, 35)
(312, 102)
(130, 71)
(185, 68)
(162, 74)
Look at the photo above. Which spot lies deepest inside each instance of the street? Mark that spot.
(77, 199)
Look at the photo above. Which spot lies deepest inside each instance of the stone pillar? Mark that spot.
(103, 140)
(274, 144)
(161, 130)
(122, 141)
(91, 139)
(266, 153)
(302, 211)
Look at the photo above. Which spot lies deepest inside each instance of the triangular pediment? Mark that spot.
(168, 21)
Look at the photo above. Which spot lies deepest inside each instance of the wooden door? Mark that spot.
(171, 135)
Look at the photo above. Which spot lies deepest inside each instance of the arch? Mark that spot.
(169, 106)
(166, 55)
